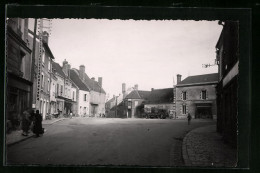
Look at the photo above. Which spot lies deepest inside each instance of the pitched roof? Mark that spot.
(138, 94)
(75, 78)
(213, 77)
(93, 85)
(161, 96)
(58, 69)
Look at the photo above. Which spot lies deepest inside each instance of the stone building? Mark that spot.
(18, 73)
(60, 101)
(81, 96)
(43, 73)
(97, 93)
(196, 95)
(227, 89)
(134, 103)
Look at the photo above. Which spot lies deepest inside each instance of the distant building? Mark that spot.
(115, 106)
(160, 99)
(19, 82)
(97, 93)
(81, 96)
(196, 95)
(134, 103)
(227, 88)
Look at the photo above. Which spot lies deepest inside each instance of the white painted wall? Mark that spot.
(81, 103)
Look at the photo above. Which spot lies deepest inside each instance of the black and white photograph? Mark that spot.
(102, 92)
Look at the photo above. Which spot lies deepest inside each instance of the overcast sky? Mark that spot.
(147, 53)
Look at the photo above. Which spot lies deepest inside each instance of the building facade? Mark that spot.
(82, 95)
(196, 95)
(227, 89)
(43, 73)
(134, 103)
(97, 93)
(18, 73)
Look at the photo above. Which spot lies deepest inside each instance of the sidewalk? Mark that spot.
(16, 136)
(205, 147)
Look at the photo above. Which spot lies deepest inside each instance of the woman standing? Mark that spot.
(25, 122)
(37, 129)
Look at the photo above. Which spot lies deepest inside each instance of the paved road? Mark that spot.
(87, 141)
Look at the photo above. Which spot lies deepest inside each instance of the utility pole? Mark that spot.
(33, 63)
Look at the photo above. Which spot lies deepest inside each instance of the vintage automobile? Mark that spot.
(156, 113)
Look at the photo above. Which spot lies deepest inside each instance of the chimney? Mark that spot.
(81, 72)
(69, 67)
(178, 78)
(65, 67)
(152, 89)
(93, 78)
(45, 37)
(136, 87)
(100, 81)
(123, 88)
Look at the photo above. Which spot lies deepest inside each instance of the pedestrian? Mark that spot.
(189, 118)
(37, 129)
(26, 122)
(32, 117)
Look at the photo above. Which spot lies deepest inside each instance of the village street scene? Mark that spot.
(121, 93)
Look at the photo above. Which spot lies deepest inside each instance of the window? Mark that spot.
(204, 94)
(184, 95)
(57, 91)
(43, 56)
(48, 85)
(129, 103)
(42, 80)
(73, 97)
(85, 97)
(61, 90)
(183, 109)
(49, 65)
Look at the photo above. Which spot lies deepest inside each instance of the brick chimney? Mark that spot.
(100, 81)
(69, 67)
(93, 78)
(45, 37)
(152, 89)
(136, 87)
(178, 78)
(81, 72)
(65, 67)
(123, 88)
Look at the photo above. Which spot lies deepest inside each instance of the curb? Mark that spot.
(30, 136)
(54, 121)
(185, 155)
(12, 143)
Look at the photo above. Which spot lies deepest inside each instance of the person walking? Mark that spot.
(37, 129)
(189, 118)
(26, 122)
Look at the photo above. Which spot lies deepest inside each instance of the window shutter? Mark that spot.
(181, 95)
(181, 109)
(206, 94)
(200, 95)
(187, 108)
(187, 95)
